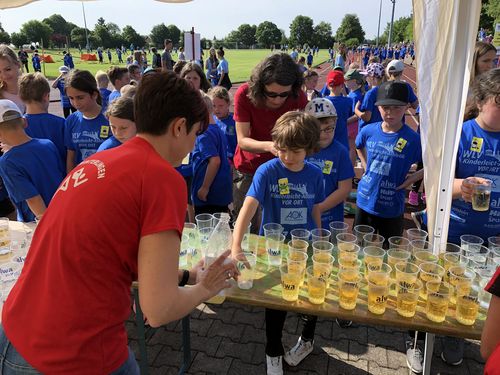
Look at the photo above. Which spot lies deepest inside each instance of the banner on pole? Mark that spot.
(188, 46)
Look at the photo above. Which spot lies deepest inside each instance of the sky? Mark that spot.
(209, 17)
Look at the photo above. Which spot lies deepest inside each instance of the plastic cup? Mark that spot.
(481, 194)
(424, 256)
(378, 290)
(460, 275)
(494, 259)
(220, 216)
(290, 280)
(438, 294)
(323, 265)
(349, 281)
(416, 234)
(467, 304)
(274, 242)
(300, 234)
(337, 227)
(204, 221)
(373, 258)
(246, 265)
(346, 238)
(452, 260)
(346, 264)
(348, 252)
(373, 239)
(483, 277)
(406, 274)
(191, 230)
(478, 257)
(429, 271)
(395, 256)
(183, 253)
(316, 285)
(250, 243)
(420, 245)
(407, 298)
(320, 234)
(359, 231)
(299, 245)
(493, 242)
(4, 236)
(272, 228)
(298, 259)
(9, 273)
(398, 242)
(322, 246)
(470, 243)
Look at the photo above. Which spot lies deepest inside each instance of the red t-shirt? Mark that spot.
(261, 121)
(492, 366)
(66, 313)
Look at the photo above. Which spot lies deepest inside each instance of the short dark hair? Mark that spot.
(83, 80)
(194, 67)
(297, 130)
(278, 68)
(132, 68)
(167, 41)
(32, 87)
(163, 97)
(116, 72)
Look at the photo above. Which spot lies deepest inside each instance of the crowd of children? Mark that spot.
(359, 114)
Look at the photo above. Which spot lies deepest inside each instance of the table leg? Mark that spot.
(139, 319)
(186, 345)
(428, 352)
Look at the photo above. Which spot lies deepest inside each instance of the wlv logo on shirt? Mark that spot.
(294, 216)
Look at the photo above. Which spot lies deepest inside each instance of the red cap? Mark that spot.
(335, 78)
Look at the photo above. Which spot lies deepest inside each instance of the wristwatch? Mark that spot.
(185, 278)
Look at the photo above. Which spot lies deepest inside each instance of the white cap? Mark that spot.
(63, 69)
(395, 66)
(9, 110)
(321, 107)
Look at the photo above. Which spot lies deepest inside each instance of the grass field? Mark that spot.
(241, 62)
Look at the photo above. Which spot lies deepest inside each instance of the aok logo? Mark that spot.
(294, 215)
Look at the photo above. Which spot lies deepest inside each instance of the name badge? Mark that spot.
(283, 186)
(104, 131)
(327, 167)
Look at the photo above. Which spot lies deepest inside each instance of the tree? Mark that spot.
(158, 34)
(58, 24)
(130, 36)
(490, 11)
(350, 27)
(247, 34)
(4, 36)
(36, 31)
(323, 35)
(175, 34)
(301, 31)
(352, 42)
(78, 36)
(102, 36)
(493, 9)
(113, 28)
(284, 39)
(267, 34)
(18, 39)
(402, 30)
(101, 22)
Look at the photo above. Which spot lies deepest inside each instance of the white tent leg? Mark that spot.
(428, 351)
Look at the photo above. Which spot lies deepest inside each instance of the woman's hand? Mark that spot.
(466, 187)
(215, 277)
(271, 149)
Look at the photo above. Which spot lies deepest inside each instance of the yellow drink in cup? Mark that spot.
(395, 256)
(349, 284)
(467, 306)
(378, 289)
(290, 280)
(316, 286)
(373, 258)
(429, 271)
(437, 300)
(407, 298)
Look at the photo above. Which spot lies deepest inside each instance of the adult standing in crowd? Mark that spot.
(166, 58)
(274, 88)
(211, 67)
(484, 59)
(223, 70)
(23, 57)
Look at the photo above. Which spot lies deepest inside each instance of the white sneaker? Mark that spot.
(300, 351)
(274, 365)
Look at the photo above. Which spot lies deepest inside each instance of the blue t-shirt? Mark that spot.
(223, 67)
(212, 143)
(84, 136)
(309, 59)
(228, 127)
(48, 126)
(111, 142)
(478, 156)
(368, 104)
(339, 61)
(64, 98)
(105, 93)
(343, 106)
(336, 166)
(356, 96)
(411, 94)
(287, 197)
(30, 169)
(115, 94)
(389, 158)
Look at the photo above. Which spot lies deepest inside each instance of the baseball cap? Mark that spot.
(63, 69)
(9, 110)
(354, 74)
(375, 70)
(392, 93)
(395, 66)
(335, 78)
(320, 108)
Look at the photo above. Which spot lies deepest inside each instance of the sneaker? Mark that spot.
(453, 351)
(300, 351)
(274, 365)
(343, 323)
(414, 357)
(413, 198)
(418, 218)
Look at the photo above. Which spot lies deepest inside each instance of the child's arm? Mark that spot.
(70, 160)
(37, 206)
(212, 169)
(247, 211)
(56, 81)
(316, 214)
(365, 116)
(337, 196)
(352, 119)
(362, 156)
(411, 179)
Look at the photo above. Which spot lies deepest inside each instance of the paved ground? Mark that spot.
(230, 338)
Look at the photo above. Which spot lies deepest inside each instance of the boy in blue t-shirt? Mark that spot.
(387, 150)
(367, 111)
(32, 169)
(224, 119)
(34, 91)
(36, 61)
(290, 190)
(103, 82)
(211, 188)
(59, 84)
(333, 161)
(343, 105)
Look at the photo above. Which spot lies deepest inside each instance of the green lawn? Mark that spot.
(241, 62)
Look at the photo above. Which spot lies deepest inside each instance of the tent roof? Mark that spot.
(4, 4)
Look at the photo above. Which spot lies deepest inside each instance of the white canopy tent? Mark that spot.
(5, 4)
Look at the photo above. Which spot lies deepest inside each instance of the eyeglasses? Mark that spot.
(270, 94)
(327, 130)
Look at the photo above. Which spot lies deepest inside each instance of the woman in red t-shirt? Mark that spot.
(490, 338)
(274, 88)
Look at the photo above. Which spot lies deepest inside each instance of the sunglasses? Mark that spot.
(270, 94)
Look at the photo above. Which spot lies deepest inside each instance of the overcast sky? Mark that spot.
(209, 17)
